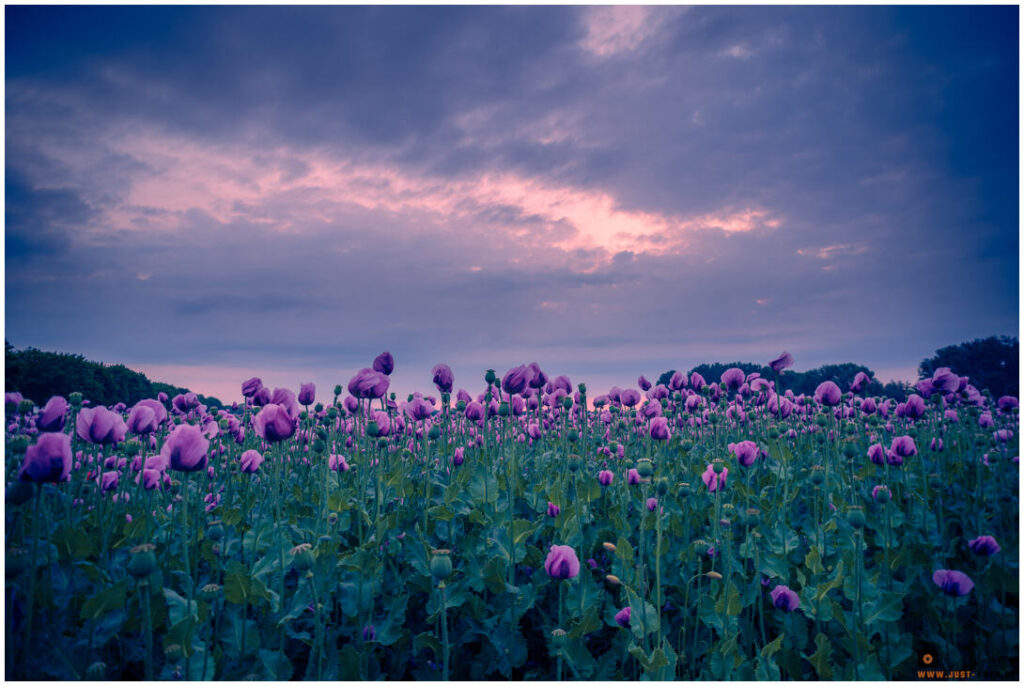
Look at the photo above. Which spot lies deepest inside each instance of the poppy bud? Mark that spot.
(434, 433)
(855, 516)
(753, 517)
(460, 406)
(143, 561)
(701, 547)
(503, 409)
(713, 575)
(441, 564)
(662, 486)
(567, 402)
(319, 447)
(173, 652)
(613, 580)
(215, 530)
(337, 390)
(684, 489)
(610, 547)
(332, 413)
(372, 429)
(18, 444)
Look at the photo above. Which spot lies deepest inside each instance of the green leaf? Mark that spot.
(835, 582)
(773, 647)
(887, 608)
(427, 640)
(624, 550)
(822, 657)
(278, 666)
(179, 608)
(107, 600)
(729, 601)
(813, 561)
(237, 587)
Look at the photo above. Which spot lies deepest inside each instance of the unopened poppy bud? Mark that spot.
(25, 406)
(701, 547)
(567, 402)
(460, 406)
(817, 475)
(645, 467)
(332, 413)
(662, 486)
(855, 516)
(209, 592)
(319, 447)
(372, 429)
(610, 547)
(304, 559)
(143, 561)
(441, 564)
(713, 575)
(503, 409)
(434, 433)
(215, 530)
(613, 580)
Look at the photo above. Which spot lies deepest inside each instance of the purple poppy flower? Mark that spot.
(444, 379)
(945, 381)
(100, 425)
(677, 381)
(109, 481)
(629, 397)
(516, 379)
(697, 381)
(562, 562)
(783, 361)
(368, 383)
(250, 461)
(708, 477)
(1003, 435)
(746, 452)
(146, 417)
(418, 409)
(474, 411)
(553, 510)
(827, 393)
(652, 504)
(538, 378)
(876, 453)
(881, 491)
(785, 599)
(261, 397)
(12, 400)
(186, 449)
(307, 393)
(984, 545)
(185, 402)
(659, 429)
(936, 445)
(953, 582)
(151, 479)
(733, 378)
(914, 408)
(1007, 404)
(48, 460)
(643, 383)
(622, 617)
(458, 457)
(859, 382)
(251, 386)
(985, 421)
(273, 423)
(53, 414)
(925, 387)
(606, 477)
(384, 363)
(337, 463)
(633, 477)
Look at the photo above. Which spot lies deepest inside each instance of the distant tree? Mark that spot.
(665, 377)
(990, 363)
(840, 374)
(39, 375)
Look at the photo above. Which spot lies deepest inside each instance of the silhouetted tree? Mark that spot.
(990, 363)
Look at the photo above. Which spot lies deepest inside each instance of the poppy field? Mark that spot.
(531, 529)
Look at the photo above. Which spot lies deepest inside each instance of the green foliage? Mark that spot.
(40, 375)
(991, 363)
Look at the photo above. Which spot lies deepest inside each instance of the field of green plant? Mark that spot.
(708, 529)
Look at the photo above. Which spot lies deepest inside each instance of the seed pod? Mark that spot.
(215, 530)
(717, 466)
(441, 564)
(855, 516)
(372, 429)
(645, 467)
(817, 475)
(304, 559)
(209, 592)
(143, 561)
(97, 671)
(558, 638)
(490, 377)
(434, 433)
(662, 486)
(574, 463)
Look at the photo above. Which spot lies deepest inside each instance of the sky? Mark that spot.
(211, 193)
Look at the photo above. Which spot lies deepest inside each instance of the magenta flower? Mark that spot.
(562, 562)
(458, 457)
(643, 383)
(633, 477)
(783, 361)
(48, 460)
(733, 378)
(827, 393)
(859, 382)
(1007, 404)
(186, 448)
(418, 409)
(554, 510)
(262, 397)
(659, 428)
(746, 452)
(622, 617)
(697, 381)
(914, 408)
(250, 462)
(953, 582)
(881, 491)
(337, 463)
(100, 425)
(273, 423)
(902, 446)
(384, 363)
(984, 545)
(444, 379)
(629, 397)
(677, 381)
(945, 381)
(1003, 435)
(785, 599)
(307, 393)
(368, 383)
(539, 377)
(606, 477)
(708, 477)
(652, 504)
(151, 479)
(109, 481)
(185, 402)
(985, 421)
(474, 411)
(146, 417)
(53, 414)
(251, 386)
(516, 379)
